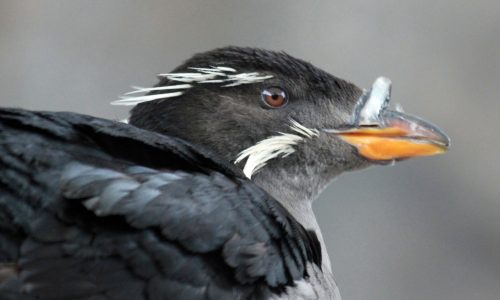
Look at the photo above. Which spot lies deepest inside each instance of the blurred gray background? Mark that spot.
(426, 228)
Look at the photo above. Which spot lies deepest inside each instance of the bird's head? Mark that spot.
(286, 124)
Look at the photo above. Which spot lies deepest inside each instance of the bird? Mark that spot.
(204, 192)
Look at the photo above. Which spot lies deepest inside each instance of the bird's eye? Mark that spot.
(274, 97)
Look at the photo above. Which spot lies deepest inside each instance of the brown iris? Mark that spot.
(274, 97)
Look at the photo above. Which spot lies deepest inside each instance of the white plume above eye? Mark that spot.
(219, 74)
(138, 89)
(282, 145)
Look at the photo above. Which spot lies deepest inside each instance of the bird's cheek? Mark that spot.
(342, 156)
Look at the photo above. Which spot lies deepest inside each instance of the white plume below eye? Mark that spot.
(275, 146)
(303, 130)
(219, 74)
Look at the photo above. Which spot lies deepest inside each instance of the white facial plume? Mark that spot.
(225, 75)
(275, 146)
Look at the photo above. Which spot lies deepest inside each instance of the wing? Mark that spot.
(94, 209)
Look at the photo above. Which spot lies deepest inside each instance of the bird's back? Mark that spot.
(95, 209)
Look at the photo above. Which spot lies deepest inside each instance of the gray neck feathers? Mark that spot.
(296, 193)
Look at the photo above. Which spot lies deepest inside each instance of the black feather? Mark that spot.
(96, 209)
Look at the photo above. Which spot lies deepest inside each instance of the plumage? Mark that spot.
(163, 207)
(128, 235)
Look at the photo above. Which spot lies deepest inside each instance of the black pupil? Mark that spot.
(275, 96)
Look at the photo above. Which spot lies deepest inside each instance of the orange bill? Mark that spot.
(398, 136)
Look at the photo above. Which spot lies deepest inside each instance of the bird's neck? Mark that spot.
(296, 194)
(302, 211)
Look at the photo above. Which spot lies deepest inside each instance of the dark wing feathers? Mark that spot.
(94, 209)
